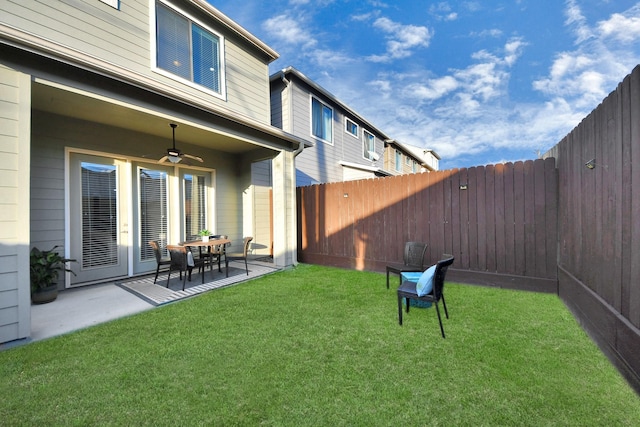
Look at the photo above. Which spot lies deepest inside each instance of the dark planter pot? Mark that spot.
(45, 295)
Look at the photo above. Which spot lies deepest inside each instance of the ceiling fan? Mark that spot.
(173, 154)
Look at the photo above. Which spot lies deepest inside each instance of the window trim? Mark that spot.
(346, 128)
(326, 141)
(154, 46)
(365, 141)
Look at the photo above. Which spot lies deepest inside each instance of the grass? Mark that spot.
(316, 346)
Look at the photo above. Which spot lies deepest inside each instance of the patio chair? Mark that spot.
(413, 260)
(216, 253)
(180, 261)
(411, 290)
(160, 260)
(245, 251)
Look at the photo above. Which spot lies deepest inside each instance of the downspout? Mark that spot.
(287, 83)
(297, 151)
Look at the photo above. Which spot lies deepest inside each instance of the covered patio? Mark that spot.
(87, 306)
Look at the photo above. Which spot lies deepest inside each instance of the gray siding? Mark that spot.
(261, 184)
(121, 39)
(321, 162)
(14, 214)
(52, 133)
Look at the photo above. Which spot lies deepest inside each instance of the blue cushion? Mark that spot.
(425, 283)
(411, 276)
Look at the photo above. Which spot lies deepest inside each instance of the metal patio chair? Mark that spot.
(407, 290)
(413, 260)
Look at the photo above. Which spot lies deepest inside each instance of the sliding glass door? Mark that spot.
(117, 207)
(98, 218)
(151, 192)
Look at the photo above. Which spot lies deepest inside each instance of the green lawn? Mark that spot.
(316, 346)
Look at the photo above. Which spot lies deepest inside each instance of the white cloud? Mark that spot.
(577, 21)
(493, 32)
(432, 89)
(443, 12)
(402, 39)
(622, 27)
(584, 76)
(288, 30)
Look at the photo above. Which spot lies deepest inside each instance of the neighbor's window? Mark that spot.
(414, 167)
(321, 120)
(369, 145)
(188, 50)
(351, 128)
(398, 161)
(407, 160)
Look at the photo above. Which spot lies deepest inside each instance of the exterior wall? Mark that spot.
(119, 40)
(390, 162)
(15, 105)
(279, 102)
(51, 134)
(76, 78)
(284, 210)
(261, 219)
(320, 163)
(432, 161)
(351, 174)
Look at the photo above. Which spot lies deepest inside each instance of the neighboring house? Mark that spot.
(400, 158)
(347, 146)
(87, 92)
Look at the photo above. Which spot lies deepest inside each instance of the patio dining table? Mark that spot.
(209, 244)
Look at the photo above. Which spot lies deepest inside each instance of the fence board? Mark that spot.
(473, 219)
(519, 223)
(499, 204)
(455, 214)
(540, 219)
(634, 292)
(509, 220)
(464, 219)
(626, 196)
(490, 226)
(551, 218)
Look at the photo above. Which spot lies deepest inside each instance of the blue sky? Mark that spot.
(480, 82)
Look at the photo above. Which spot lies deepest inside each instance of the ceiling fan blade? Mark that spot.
(164, 159)
(189, 156)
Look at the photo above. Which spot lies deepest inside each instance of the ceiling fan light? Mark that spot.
(174, 159)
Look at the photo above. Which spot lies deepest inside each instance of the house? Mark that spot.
(88, 90)
(404, 158)
(346, 145)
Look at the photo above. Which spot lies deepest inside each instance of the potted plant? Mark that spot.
(205, 235)
(45, 266)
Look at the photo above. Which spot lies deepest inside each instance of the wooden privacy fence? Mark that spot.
(499, 221)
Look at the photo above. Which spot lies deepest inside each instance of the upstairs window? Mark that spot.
(351, 128)
(321, 121)
(369, 146)
(398, 161)
(188, 50)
